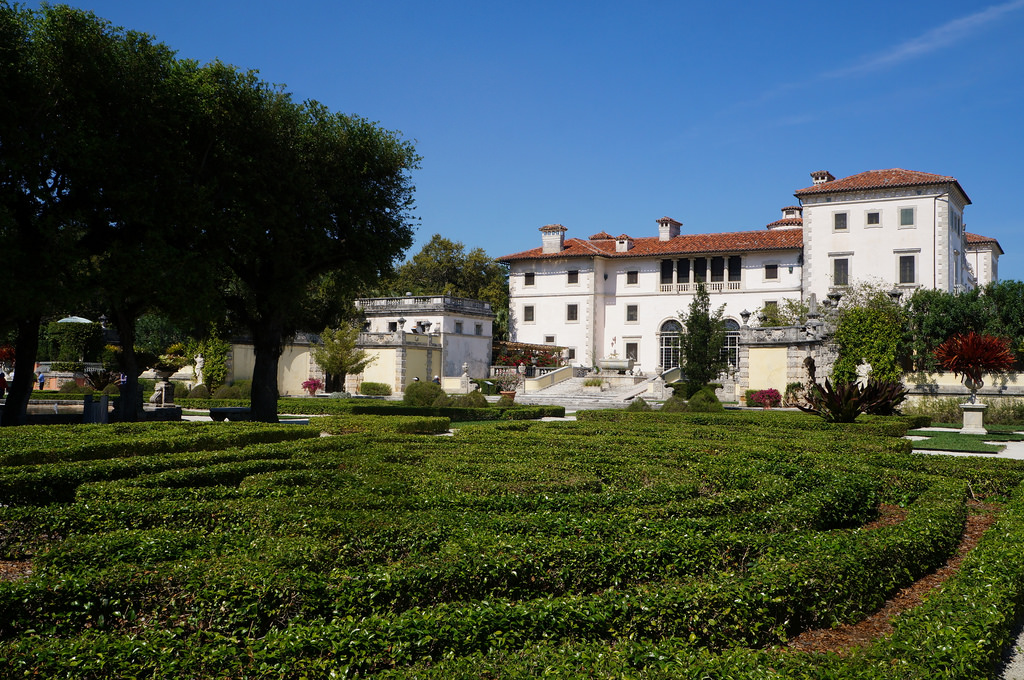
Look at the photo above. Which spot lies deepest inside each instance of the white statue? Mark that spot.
(200, 361)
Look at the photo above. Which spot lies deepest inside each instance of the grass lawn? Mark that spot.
(954, 441)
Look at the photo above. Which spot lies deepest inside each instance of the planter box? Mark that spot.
(615, 364)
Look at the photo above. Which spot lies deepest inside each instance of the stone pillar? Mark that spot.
(974, 418)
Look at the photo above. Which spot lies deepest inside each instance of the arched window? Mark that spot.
(731, 348)
(669, 354)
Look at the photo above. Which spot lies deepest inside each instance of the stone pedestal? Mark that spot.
(974, 418)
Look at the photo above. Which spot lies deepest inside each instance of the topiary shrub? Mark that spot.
(443, 401)
(227, 392)
(639, 404)
(199, 392)
(421, 394)
(181, 390)
(675, 404)
(472, 400)
(705, 401)
(113, 389)
(244, 388)
(505, 402)
(375, 389)
(71, 387)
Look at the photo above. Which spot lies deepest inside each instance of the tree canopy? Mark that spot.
(153, 184)
(443, 267)
(701, 343)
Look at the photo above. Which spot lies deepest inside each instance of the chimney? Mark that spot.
(822, 176)
(623, 243)
(552, 237)
(668, 228)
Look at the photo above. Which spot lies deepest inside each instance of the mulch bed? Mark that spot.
(980, 517)
(12, 571)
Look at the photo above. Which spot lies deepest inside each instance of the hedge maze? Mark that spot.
(622, 545)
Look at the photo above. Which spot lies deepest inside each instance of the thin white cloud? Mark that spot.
(931, 41)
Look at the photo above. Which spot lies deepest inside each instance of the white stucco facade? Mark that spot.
(610, 295)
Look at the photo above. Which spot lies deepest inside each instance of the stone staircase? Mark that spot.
(571, 394)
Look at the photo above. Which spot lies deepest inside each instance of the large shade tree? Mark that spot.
(444, 267)
(297, 192)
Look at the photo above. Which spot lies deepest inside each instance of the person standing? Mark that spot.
(3, 385)
(42, 380)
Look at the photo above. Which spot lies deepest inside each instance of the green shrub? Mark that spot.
(181, 390)
(199, 392)
(639, 404)
(71, 387)
(675, 404)
(488, 387)
(705, 401)
(593, 382)
(421, 394)
(112, 389)
(244, 388)
(472, 400)
(375, 389)
(839, 403)
(505, 402)
(227, 392)
(443, 401)
(67, 366)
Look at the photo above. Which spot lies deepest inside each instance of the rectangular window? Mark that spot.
(735, 267)
(839, 221)
(874, 218)
(907, 266)
(458, 327)
(700, 269)
(573, 276)
(771, 307)
(666, 271)
(907, 217)
(572, 352)
(840, 271)
(632, 350)
(771, 272)
(528, 314)
(392, 326)
(718, 269)
(632, 278)
(683, 271)
(632, 314)
(479, 330)
(528, 279)
(549, 339)
(572, 312)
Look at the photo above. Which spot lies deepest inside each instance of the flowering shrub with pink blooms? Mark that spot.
(312, 385)
(766, 398)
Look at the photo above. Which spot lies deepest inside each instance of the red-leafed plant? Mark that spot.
(972, 354)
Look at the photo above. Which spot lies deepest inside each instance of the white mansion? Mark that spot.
(622, 295)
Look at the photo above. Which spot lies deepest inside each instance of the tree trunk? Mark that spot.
(131, 397)
(268, 344)
(19, 390)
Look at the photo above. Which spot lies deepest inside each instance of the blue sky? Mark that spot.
(608, 115)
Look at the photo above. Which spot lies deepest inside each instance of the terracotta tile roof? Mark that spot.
(977, 240)
(880, 179)
(787, 222)
(691, 244)
(602, 236)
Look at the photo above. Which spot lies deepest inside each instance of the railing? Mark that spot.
(397, 339)
(549, 377)
(712, 287)
(528, 371)
(424, 302)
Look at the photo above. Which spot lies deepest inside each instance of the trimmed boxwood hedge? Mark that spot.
(684, 546)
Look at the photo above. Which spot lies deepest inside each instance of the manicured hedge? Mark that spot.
(684, 546)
